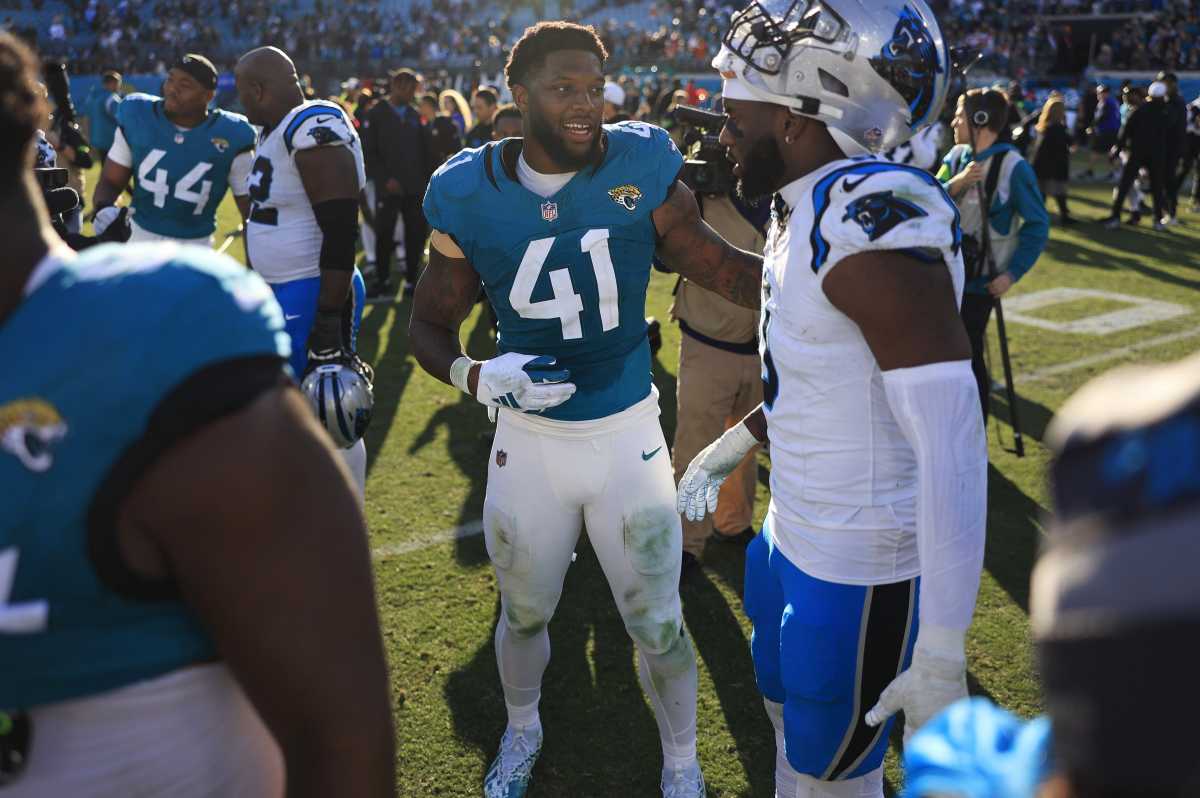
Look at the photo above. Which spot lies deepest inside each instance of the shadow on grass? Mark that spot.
(1142, 249)
(392, 371)
(469, 446)
(1013, 536)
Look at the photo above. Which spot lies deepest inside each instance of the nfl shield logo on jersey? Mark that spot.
(549, 211)
(501, 458)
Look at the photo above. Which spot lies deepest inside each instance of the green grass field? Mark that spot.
(428, 447)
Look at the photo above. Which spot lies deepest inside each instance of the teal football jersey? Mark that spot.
(180, 175)
(567, 275)
(102, 338)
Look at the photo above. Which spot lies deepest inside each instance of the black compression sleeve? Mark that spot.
(338, 220)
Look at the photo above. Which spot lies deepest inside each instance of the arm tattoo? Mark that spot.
(444, 298)
(694, 250)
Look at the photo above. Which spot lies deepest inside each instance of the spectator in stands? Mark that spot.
(397, 153)
(1052, 161)
(614, 104)
(444, 140)
(506, 124)
(1177, 126)
(1010, 236)
(455, 105)
(483, 103)
(102, 116)
(1145, 136)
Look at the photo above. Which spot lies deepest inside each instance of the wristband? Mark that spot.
(460, 372)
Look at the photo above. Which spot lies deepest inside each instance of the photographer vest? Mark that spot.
(706, 313)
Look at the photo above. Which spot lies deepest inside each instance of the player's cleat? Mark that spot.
(381, 289)
(685, 782)
(512, 769)
(1159, 227)
(1111, 223)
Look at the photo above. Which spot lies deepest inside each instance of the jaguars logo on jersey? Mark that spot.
(627, 196)
(29, 430)
(880, 212)
(904, 63)
(220, 144)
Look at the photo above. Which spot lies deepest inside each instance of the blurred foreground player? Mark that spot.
(863, 581)
(560, 227)
(186, 606)
(300, 236)
(1115, 609)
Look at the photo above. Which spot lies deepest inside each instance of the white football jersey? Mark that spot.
(922, 150)
(843, 476)
(283, 239)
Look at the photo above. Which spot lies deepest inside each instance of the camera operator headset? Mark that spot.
(720, 374)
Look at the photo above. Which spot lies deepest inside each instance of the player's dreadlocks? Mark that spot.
(22, 108)
(529, 53)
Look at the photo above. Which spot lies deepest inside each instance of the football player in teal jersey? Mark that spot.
(183, 156)
(560, 228)
(175, 616)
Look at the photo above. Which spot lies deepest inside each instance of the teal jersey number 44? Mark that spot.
(180, 175)
(566, 274)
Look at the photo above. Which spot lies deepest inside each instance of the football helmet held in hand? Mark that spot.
(342, 395)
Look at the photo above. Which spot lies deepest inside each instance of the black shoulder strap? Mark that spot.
(993, 177)
(989, 191)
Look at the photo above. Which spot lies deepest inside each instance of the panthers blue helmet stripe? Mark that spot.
(824, 187)
(337, 406)
(300, 118)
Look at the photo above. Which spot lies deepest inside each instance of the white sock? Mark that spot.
(521, 662)
(669, 680)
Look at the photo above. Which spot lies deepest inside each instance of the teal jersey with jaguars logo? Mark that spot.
(180, 175)
(114, 332)
(567, 274)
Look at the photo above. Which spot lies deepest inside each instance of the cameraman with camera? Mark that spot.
(720, 374)
(1004, 242)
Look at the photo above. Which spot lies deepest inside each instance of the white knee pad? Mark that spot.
(790, 784)
(802, 786)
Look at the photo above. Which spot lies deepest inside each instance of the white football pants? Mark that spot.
(546, 480)
(140, 235)
(191, 733)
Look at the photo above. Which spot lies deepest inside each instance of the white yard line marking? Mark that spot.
(475, 528)
(1112, 354)
(468, 530)
(1142, 312)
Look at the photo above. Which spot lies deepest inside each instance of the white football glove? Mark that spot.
(104, 217)
(935, 680)
(528, 383)
(701, 483)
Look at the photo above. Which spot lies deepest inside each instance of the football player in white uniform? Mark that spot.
(863, 583)
(304, 193)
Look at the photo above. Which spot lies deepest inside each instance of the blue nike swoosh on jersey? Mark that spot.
(848, 186)
(648, 456)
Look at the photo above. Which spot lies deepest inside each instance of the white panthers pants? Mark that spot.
(187, 734)
(546, 480)
(141, 235)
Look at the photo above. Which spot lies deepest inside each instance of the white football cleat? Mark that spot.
(685, 782)
(512, 769)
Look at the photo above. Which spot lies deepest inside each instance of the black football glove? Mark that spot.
(325, 342)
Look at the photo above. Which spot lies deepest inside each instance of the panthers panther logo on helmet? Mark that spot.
(911, 64)
(29, 430)
(881, 212)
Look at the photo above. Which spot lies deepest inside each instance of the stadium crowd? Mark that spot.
(140, 36)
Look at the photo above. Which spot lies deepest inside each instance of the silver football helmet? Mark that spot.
(874, 71)
(343, 397)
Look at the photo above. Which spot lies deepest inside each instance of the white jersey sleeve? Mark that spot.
(239, 173)
(894, 208)
(119, 152)
(320, 130)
